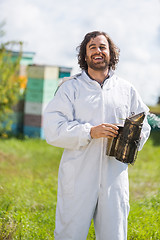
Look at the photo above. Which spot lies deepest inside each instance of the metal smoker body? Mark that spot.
(125, 146)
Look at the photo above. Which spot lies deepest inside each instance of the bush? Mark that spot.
(9, 81)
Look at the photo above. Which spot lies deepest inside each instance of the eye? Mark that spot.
(102, 48)
(92, 48)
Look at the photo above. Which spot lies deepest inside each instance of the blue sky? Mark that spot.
(53, 29)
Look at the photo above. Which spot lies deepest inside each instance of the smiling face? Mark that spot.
(97, 53)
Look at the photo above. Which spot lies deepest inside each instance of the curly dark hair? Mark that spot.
(114, 50)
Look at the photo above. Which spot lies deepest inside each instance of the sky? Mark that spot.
(53, 29)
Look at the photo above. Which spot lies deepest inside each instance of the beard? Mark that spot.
(99, 66)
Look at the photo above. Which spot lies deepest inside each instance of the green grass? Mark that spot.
(28, 183)
(144, 219)
(28, 189)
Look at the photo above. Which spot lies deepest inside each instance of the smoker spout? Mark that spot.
(138, 118)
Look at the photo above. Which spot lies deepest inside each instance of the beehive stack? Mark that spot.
(41, 86)
(18, 110)
(17, 118)
(64, 72)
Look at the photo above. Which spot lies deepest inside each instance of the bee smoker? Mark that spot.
(124, 147)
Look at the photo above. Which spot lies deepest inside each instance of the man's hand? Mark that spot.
(105, 130)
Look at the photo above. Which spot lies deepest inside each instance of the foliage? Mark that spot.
(155, 109)
(28, 188)
(9, 80)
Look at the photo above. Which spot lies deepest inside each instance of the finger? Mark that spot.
(111, 130)
(110, 134)
(112, 126)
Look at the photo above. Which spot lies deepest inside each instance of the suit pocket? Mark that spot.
(121, 114)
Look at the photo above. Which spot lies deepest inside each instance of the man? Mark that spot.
(81, 117)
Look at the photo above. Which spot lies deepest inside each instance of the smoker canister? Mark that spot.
(124, 147)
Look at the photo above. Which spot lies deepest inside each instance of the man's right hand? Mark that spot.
(105, 130)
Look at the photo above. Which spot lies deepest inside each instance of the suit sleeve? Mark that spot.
(60, 127)
(138, 106)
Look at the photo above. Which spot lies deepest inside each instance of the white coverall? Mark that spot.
(91, 185)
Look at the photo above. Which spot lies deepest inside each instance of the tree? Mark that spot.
(9, 80)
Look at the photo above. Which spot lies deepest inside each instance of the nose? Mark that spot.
(98, 50)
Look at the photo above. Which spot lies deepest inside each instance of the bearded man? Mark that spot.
(82, 116)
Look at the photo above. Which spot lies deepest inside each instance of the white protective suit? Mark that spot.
(91, 184)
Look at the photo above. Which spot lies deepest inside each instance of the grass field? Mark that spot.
(155, 109)
(28, 187)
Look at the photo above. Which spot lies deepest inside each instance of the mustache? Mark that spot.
(100, 54)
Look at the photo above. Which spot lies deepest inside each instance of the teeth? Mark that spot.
(98, 57)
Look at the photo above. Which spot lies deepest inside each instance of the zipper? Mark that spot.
(102, 142)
